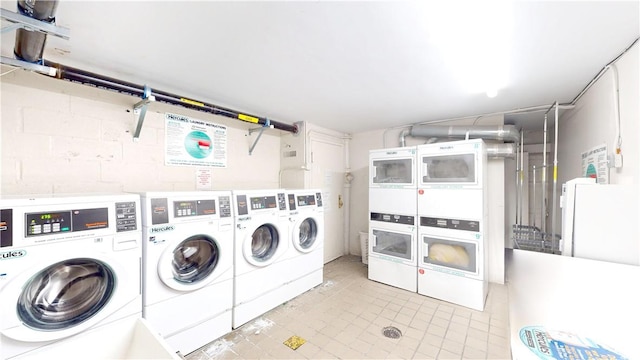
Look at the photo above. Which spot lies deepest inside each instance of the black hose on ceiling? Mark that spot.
(123, 87)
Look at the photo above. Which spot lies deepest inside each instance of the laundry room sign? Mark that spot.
(193, 142)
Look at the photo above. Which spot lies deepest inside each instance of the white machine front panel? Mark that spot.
(393, 168)
(255, 203)
(393, 237)
(396, 201)
(67, 265)
(34, 225)
(456, 163)
(463, 291)
(458, 203)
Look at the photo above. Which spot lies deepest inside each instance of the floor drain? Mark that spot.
(391, 332)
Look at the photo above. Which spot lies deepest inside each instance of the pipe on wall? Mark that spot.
(123, 87)
(29, 45)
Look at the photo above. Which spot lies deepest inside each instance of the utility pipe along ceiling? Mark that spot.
(346, 66)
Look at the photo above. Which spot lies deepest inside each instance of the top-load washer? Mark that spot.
(69, 267)
(305, 255)
(188, 266)
(261, 244)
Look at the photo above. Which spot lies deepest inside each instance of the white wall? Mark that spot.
(361, 143)
(75, 139)
(592, 122)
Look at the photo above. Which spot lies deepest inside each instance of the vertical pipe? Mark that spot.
(543, 204)
(555, 182)
(533, 207)
(347, 198)
(518, 200)
(521, 175)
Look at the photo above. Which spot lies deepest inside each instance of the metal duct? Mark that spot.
(497, 132)
(29, 44)
(131, 89)
(496, 151)
(507, 133)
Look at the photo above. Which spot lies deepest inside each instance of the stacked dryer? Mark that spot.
(188, 266)
(452, 210)
(261, 271)
(69, 269)
(392, 217)
(306, 250)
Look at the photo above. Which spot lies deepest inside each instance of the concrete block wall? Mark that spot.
(55, 141)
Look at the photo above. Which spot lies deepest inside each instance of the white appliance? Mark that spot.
(188, 266)
(392, 214)
(306, 249)
(261, 271)
(452, 211)
(68, 266)
(600, 221)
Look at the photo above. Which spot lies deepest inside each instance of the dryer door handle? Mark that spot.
(425, 249)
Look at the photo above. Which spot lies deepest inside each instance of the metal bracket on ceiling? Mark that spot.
(20, 21)
(141, 108)
(261, 130)
(47, 70)
(31, 24)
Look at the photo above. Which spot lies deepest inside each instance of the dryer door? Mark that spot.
(261, 247)
(189, 265)
(56, 300)
(307, 234)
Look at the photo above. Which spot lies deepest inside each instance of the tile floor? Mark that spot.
(343, 319)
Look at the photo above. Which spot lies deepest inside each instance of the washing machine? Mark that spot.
(69, 266)
(261, 271)
(187, 256)
(306, 247)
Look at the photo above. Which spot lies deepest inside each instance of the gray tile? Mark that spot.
(343, 318)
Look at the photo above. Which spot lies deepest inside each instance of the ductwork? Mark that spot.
(29, 44)
(506, 133)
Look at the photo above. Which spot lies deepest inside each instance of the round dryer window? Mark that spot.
(307, 235)
(194, 259)
(264, 243)
(65, 294)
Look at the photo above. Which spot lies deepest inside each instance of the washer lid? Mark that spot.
(262, 245)
(65, 294)
(191, 262)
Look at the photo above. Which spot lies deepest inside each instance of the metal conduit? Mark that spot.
(123, 87)
(507, 133)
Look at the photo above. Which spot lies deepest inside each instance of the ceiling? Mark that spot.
(348, 66)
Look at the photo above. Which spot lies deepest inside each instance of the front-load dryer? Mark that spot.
(305, 255)
(69, 267)
(261, 245)
(187, 266)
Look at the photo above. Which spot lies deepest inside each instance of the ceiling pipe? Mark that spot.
(508, 133)
(123, 87)
(29, 44)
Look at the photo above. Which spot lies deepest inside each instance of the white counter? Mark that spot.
(587, 298)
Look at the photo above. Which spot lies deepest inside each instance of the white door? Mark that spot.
(327, 173)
